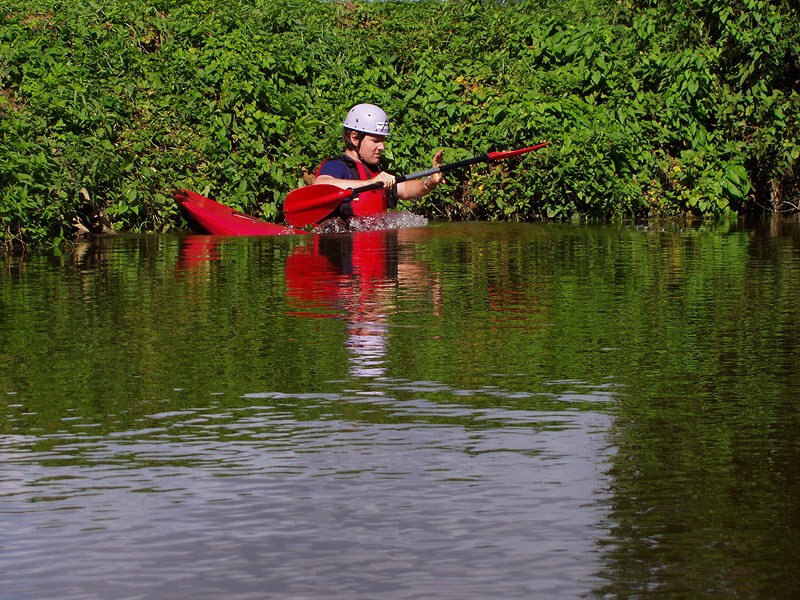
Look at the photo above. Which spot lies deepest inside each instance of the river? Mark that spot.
(471, 410)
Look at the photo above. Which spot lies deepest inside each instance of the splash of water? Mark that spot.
(380, 221)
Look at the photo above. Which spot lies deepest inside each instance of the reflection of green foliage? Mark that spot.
(688, 338)
(122, 329)
(679, 107)
(697, 333)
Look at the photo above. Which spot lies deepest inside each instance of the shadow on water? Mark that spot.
(474, 409)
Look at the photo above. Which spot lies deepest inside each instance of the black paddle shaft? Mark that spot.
(440, 169)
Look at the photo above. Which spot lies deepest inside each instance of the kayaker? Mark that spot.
(366, 128)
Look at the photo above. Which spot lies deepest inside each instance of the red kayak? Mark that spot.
(306, 205)
(218, 219)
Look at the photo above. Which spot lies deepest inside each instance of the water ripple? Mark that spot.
(437, 499)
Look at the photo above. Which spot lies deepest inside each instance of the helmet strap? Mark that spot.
(361, 137)
(356, 147)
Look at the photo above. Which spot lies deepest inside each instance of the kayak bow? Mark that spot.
(218, 219)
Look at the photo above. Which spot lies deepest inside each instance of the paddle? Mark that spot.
(312, 203)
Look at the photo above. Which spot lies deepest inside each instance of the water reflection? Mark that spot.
(196, 251)
(472, 410)
(356, 276)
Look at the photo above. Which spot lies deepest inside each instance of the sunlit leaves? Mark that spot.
(240, 99)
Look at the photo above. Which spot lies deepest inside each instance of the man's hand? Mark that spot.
(387, 179)
(437, 178)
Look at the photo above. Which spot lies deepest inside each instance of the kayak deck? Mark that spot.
(218, 219)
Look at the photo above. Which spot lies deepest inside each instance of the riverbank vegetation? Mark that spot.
(670, 109)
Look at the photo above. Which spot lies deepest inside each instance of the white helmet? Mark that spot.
(367, 118)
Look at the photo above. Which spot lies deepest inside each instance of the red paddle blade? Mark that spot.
(510, 153)
(312, 203)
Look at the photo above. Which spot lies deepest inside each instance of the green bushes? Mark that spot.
(688, 107)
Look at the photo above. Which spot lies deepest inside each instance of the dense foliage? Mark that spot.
(685, 107)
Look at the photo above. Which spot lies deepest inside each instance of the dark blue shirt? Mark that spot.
(344, 167)
(337, 168)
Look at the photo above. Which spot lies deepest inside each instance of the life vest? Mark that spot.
(373, 201)
(367, 203)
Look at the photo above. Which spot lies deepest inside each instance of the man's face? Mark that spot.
(372, 147)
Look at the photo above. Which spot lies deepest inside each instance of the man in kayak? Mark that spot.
(365, 129)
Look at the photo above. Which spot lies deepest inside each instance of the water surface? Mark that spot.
(463, 410)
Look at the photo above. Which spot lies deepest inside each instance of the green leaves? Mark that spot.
(240, 99)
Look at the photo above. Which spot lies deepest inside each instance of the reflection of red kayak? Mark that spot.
(198, 250)
(219, 219)
(340, 272)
